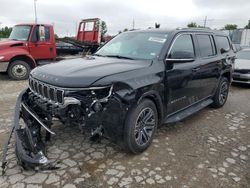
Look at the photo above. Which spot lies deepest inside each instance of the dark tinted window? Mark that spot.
(182, 48)
(206, 45)
(47, 34)
(223, 42)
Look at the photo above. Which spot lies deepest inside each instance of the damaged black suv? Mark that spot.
(134, 83)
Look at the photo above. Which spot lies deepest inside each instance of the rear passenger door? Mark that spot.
(208, 69)
(225, 49)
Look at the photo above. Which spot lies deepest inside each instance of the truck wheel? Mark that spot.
(19, 70)
(140, 126)
(221, 94)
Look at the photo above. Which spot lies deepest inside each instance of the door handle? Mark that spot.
(196, 69)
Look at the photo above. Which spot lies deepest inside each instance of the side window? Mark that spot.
(41, 33)
(182, 48)
(47, 34)
(223, 43)
(89, 26)
(35, 34)
(206, 44)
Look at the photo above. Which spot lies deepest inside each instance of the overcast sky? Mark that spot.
(119, 14)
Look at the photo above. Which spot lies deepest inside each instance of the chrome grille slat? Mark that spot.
(46, 91)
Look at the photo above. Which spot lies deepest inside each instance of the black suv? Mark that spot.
(134, 83)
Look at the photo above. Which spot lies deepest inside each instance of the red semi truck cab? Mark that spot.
(30, 43)
(27, 44)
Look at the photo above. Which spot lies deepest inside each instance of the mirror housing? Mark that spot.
(41, 33)
(222, 51)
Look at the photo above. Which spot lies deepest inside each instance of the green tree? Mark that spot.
(192, 24)
(230, 27)
(248, 25)
(124, 30)
(103, 26)
(56, 36)
(5, 32)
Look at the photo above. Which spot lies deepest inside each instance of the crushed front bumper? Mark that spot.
(33, 119)
(29, 146)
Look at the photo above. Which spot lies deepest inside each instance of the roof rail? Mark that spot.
(194, 28)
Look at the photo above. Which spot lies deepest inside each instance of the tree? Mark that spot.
(5, 32)
(157, 25)
(192, 24)
(248, 25)
(230, 27)
(124, 30)
(103, 27)
(56, 36)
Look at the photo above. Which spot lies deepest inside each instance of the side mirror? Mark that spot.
(41, 32)
(222, 51)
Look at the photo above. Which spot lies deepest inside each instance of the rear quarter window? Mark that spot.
(223, 43)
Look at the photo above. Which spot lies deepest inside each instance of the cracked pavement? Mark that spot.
(208, 149)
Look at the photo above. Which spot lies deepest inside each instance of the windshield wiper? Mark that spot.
(119, 57)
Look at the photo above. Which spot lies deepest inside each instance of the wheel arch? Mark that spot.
(154, 96)
(227, 75)
(25, 58)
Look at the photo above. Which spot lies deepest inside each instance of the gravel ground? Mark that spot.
(208, 149)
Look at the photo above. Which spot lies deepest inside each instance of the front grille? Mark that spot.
(47, 91)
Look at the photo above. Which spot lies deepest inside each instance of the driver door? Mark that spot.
(181, 83)
(42, 45)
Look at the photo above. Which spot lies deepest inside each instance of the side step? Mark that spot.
(188, 111)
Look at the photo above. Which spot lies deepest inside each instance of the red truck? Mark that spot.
(30, 44)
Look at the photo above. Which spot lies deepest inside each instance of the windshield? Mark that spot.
(244, 54)
(20, 32)
(134, 45)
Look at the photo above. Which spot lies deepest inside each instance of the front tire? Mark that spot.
(140, 126)
(221, 94)
(19, 70)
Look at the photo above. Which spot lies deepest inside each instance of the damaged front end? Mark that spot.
(39, 105)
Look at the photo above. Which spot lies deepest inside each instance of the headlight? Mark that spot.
(1, 57)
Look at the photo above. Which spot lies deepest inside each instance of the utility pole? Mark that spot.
(133, 24)
(205, 21)
(35, 11)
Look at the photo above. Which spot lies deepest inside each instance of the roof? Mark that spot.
(201, 30)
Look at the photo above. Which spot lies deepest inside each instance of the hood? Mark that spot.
(10, 43)
(242, 64)
(82, 72)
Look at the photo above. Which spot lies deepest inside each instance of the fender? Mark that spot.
(11, 53)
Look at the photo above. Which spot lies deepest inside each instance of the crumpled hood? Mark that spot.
(82, 72)
(242, 64)
(10, 43)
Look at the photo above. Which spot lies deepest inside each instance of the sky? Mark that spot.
(119, 14)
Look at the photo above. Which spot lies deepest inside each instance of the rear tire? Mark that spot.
(19, 70)
(221, 94)
(140, 126)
